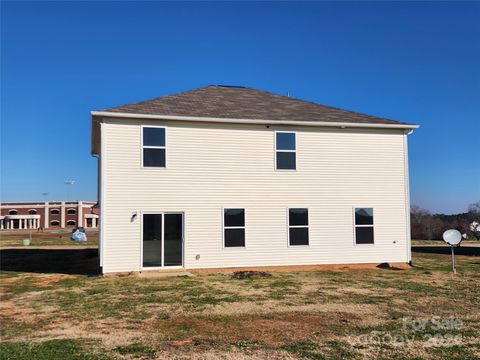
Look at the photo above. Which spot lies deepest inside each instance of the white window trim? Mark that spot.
(74, 211)
(234, 227)
(67, 223)
(54, 221)
(153, 147)
(292, 151)
(163, 267)
(36, 212)
(51, 212)
(298, 226)
(355, 225)
(16, 212)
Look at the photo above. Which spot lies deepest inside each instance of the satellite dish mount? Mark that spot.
(452, 237)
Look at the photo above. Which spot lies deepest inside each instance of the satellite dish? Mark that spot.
(452, 237)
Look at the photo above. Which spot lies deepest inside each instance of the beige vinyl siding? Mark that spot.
(216, 166)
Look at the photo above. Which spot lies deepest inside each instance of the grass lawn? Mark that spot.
(422, 313)
(47, 238)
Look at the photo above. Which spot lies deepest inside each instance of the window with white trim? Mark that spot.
(71, 211)
(71, 223)
(298, 226)
(154, 146)
(364, 226)
(285, 150)
(234, 227)
(54, 212)
(54, 223)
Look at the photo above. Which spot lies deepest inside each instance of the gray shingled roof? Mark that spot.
(236, 102)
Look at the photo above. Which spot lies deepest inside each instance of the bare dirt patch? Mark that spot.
(16, 311)
(46, 280)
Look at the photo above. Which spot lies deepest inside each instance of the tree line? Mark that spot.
(428, 226)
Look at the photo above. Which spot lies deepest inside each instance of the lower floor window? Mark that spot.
(298, 226)
(364, 226)
(71, 223)
(234, 227)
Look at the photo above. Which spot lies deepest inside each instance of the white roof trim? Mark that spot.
(253, 121)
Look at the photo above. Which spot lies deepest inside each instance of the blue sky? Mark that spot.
(416, 62)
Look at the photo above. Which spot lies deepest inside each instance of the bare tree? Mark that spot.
(474, 208)
(421, 223)
(428, 226)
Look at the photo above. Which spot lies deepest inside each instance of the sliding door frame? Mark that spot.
(163, 267)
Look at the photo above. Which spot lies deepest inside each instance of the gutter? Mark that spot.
(342, 125)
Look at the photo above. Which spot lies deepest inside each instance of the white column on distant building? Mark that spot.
(80, 214)
(46, 214)
(62, 216)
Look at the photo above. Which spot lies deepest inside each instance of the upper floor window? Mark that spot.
(13, 212)
(285, 150)
(364, 226)
(234, 227)
(32, 212)
(54, 211)
(298, 226)
(154, 146)
(71, 212)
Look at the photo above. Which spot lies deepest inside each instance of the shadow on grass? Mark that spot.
(445, 250)
(60, 261)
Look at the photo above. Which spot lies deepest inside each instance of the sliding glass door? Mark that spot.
(162, 240)
(152, 240)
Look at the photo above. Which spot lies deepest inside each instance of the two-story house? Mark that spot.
(227, 176)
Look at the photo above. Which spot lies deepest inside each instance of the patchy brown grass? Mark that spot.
(292, 314)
